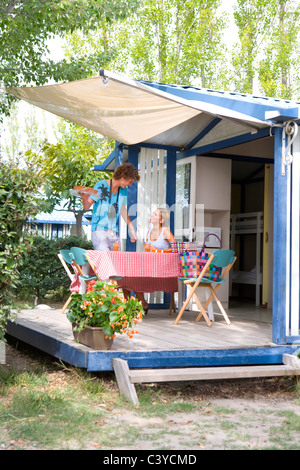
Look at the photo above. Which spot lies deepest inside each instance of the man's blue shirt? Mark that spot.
(106, 208)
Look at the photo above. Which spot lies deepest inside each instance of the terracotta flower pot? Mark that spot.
(93, 337)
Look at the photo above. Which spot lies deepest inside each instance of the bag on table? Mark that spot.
(193, 262)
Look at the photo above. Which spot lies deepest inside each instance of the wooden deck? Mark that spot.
(159, 342)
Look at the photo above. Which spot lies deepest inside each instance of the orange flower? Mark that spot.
(91, 286)
(113, 289)
(120, 309)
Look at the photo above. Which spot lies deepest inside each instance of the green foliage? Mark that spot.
(280, 62)
(166, 40)
(26, 27)
(42, 272)
(267, 47)
(18, 201)
(68, 163)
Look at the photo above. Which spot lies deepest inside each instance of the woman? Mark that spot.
(160, 237)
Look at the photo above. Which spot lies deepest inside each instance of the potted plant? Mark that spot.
(101, 312)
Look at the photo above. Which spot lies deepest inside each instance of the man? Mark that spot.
(108, 204)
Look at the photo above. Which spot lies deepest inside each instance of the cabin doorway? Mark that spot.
(251, 233)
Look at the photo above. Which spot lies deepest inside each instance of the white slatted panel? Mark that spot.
(160, 196)
(142, 201)
(149, 154)
(154, 179)
(150, 196)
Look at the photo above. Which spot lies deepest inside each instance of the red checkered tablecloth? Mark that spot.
(140, 272)
(75, 284)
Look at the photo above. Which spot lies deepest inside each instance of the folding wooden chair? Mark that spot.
(221, 259)
(66, 259)
(82, 264)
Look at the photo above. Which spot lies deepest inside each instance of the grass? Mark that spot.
(61, 408)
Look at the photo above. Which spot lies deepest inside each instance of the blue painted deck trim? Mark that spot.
(101, 361)
(189, 358)
(243, 103)
(61, 350)
(279, 245)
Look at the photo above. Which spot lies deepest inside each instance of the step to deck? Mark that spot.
(126, 378)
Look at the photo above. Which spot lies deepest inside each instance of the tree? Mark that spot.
(254, 19)
(268, 46)
(279, 66)
(165, 40)
(27, 25)
(67, 164)
(19, 199)
(25, 128)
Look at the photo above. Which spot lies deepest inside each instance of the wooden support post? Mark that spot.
(122, 373)
(2, 353)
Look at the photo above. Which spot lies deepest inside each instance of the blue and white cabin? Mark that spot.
(223, 162)
(56, 224)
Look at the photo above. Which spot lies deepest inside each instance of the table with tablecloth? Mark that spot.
(139, 271)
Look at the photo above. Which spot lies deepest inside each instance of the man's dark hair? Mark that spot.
(127, 171)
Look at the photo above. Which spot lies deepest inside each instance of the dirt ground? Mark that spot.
(243, 414)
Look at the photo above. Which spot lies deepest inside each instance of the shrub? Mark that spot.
(18, 201)
(42, 273)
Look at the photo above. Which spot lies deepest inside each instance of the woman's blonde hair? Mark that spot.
(165, 215)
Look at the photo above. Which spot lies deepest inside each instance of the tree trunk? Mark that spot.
(78, 217)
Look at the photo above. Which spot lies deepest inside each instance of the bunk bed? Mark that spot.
(245, 224)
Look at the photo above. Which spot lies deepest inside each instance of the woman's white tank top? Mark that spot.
(160, 243)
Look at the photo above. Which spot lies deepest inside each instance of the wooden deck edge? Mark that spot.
(126, 378)
(62, 350)
(100, 361)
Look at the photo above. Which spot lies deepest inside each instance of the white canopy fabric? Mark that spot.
(131, 112)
